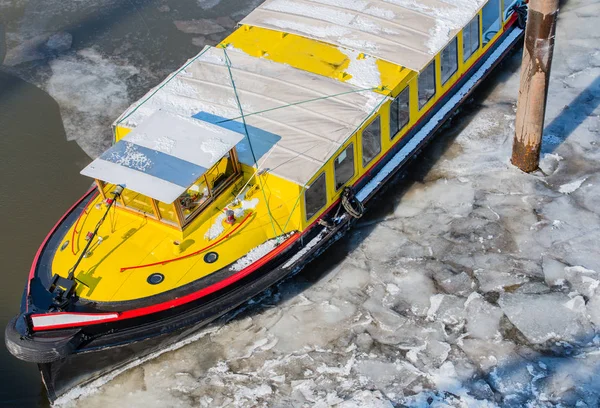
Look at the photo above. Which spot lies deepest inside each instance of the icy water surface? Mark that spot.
(470, 285)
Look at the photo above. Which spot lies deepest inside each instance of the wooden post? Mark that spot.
(535, 75)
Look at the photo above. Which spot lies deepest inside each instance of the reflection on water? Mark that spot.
(39, 181)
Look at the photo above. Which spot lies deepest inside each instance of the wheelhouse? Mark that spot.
(171, 168)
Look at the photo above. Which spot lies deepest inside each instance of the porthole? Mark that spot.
(211, 257)
(155, 278)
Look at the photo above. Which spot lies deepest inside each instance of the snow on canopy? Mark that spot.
(290, 137)
(408, 33)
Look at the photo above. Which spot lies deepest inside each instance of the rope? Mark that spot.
(352, 206)
(302, 102)
(237, 98)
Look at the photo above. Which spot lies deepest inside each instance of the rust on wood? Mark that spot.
(535, 76)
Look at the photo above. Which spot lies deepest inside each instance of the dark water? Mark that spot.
(39, 180)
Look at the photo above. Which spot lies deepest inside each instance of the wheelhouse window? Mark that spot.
(168, 213)
(449, 59)
(315, 196)
(371, 141)
(491, 20)
(137, 202)
(427, 84)
(343, 166)
(471, 38)
(129, 199)
(209, 186)
(399, 113)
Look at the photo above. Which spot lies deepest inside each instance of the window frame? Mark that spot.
(434, 70)
(405, 91)
(469, 27)
(380, 139)
(445, 81)
(349, 145)
(306, 189)
(498, 20)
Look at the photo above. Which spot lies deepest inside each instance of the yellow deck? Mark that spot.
(130, 239)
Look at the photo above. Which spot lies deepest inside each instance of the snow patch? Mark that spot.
(255, 254)
(217, 227)
(572, 186)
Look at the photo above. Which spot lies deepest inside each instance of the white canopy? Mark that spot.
(290, 137)
(163, 156)
(408, 33)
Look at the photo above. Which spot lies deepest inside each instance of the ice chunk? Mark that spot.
(483, 319)
(546, 317)
(367, 399)
(102, 94)
(554, 271)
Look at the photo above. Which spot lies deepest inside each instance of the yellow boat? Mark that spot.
(242, 166)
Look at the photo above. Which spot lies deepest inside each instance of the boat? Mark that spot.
(244, 165)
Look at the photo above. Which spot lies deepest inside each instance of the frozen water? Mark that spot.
(102, 94)
(472, 284)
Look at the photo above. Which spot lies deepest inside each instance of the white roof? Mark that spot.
(291, 141)
(408, 33)
(163, 156)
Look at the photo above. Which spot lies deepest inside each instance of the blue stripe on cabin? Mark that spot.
(154, 163)
(262, 140)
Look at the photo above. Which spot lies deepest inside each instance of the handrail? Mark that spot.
(127, 268)
(76, 225)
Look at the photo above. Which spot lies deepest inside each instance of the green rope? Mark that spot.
(164, 84)
(237, 98)
(301, 102)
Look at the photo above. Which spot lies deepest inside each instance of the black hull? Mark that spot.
(72, 358)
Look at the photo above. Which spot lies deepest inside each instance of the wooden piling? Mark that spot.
(535, 76)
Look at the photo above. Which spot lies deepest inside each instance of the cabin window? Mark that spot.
(138, 202)
(399, 113)
(371, 141)
(343, 166)
(167, 213)
(194, 197)
(208, 187)
(427, 84)
(471, 38)
(218, 175)
(491, 20)
(315, 196)
(449, 60)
